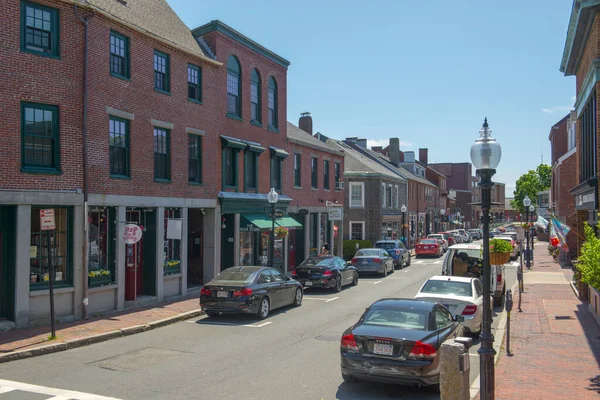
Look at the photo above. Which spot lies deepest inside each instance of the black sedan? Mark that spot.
(326, 272)
(397, 341)
(249, 290)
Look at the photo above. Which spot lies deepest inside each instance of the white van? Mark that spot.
(466, 260)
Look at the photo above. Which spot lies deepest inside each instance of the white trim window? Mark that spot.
(397, 200)
(383, 195)
(390, 197)
(357, 194)
(357, 230)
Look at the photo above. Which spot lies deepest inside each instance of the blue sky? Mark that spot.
(427, 72)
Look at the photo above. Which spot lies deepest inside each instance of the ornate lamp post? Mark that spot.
(403, 210)
(531, 231)
(458, 218)
(272, 197)
(527, 204)
(485, 156)
(443, 212)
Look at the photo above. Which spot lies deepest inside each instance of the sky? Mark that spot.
(426, 72)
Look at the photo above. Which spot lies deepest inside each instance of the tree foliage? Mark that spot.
(530, 184)
(589, 258)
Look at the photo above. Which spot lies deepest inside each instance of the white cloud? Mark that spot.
(385, 142)
(556, 109)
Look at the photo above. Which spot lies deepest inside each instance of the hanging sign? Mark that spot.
(130, 233)
(335, 213)
(174, 229)
(47, 220)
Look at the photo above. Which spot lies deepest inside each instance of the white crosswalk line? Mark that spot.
(418, 262)
(330, 300)
(438, 262)
(377, 282)
(6, 389)
(58, 394)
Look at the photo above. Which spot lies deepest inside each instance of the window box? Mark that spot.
(172, 267)
(100, 280)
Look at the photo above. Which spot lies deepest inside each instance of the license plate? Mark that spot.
(385, 349)
(308, 283)
(365, 262)
(425, 247)
(222, 294)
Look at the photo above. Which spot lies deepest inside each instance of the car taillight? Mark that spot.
(294, 273)
(327, 273)
(397, 252)
(348, 342)
(499, 278)
(377, 260)
(421, 349)
(470, 310)
(205, 292)
(354, 260)
(243, 292)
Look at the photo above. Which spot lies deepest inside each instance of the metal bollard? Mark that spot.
(508, 303)
(454, 383)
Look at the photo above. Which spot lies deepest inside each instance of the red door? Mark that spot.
(132, 272)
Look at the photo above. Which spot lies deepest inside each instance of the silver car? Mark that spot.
(374, 261)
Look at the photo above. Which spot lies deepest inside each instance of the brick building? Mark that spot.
(563, 147)
(460, 184)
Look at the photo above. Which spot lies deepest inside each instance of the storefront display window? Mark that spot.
(172, 241)
(247, 246)
(56, 244)
(101, 253)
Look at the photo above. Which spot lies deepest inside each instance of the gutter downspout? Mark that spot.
(84, 21)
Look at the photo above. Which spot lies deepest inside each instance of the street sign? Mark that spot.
(130, 233)
(278, 213)
(47, 220)
(335, 213)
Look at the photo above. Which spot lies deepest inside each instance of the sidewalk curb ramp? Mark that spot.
(101, 337)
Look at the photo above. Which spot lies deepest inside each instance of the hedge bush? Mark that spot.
(350, 247)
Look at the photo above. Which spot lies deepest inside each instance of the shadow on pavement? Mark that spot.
(375, 391)
(592, 334)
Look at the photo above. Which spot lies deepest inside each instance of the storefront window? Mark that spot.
(247, 245)
(172, 241)
(277, 251)
(54, 246)
(101, 253)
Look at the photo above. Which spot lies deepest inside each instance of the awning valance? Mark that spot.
(288, 222)
(277, 152)
(236, 143)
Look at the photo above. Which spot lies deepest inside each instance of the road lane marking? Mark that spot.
(317, 298)
(377, 282)
(418, 262)
(57, 393)
(335, 298)
(200, 322)
(438, 262)
(6, 389)
(406, 271)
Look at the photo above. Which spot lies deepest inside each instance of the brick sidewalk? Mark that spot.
(555, 342)
(125, 322)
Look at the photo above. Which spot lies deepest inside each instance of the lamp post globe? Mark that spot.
(531, 209)
(485, 156)
(403, 210)
(526, 201)
(272, 198)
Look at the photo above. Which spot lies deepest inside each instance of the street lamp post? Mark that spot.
(531, 211)
(272, 197)
(527, 204)
(403, 210)
(485, 156)
(458, 218)
(442, 212)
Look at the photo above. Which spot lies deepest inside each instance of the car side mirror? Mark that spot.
(459, 318)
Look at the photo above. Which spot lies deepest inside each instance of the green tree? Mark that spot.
(530, 184)
(589, 259)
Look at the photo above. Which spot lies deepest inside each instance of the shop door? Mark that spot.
(133, 262)
(3, 280)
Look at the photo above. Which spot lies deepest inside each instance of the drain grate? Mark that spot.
(563, 317)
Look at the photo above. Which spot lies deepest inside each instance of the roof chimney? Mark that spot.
(377, 149)
(305, 122)
(362, 143)
(394, 150)
(423, 156)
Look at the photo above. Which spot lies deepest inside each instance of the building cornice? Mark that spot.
(588, 85)
(580, 25)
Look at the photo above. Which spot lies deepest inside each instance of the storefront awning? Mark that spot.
(260, 221)
(288, 222)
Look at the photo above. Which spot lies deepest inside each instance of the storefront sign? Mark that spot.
(585, 200)
(130, 233)
(335, 213)
(174, 229)
(249, 228)
(47, 220)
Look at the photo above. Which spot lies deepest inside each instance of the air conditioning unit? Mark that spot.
(339, 185)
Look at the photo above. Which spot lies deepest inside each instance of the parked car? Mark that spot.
(476, 234)
(374, 260)
(428, 247)
(396, 250)
(249, 290)
(466, 237)
(328, 272)
(449, 238)
(397, 341)
(439, 237)
(513, 236)
(466, 260)
(460, 295)
(458, 238)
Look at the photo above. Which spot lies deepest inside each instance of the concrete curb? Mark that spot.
(101, 337)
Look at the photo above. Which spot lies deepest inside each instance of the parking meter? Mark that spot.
(508, 302)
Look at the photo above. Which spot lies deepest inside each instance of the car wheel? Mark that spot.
(264, 308)
(355, 280)
(338, 284)
(348, 378)
(385, 271)
(298, 298)
(408, 262)
(212, 314)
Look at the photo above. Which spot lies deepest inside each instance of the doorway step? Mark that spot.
(141, 301)
(6, 325)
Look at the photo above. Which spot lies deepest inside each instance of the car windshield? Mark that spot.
(398, 318)
(236, 275)
(448, 287)
(472, 253)
(428, 241)
(385, 245)
(368, 253)
(312, 262)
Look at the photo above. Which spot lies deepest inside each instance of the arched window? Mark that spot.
(272, 103)
(255, 97)
(234, 78)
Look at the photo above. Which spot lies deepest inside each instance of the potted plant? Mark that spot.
(281, 232)
(499, 251)
(99, 277)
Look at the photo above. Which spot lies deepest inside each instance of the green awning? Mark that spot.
(260, 221)
(277, 152)
(236, 143)
(288, 222)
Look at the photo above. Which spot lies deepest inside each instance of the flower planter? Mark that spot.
(99, 280)
(499, 258)
(176, 269)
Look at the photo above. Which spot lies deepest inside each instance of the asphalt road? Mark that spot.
(294, 354)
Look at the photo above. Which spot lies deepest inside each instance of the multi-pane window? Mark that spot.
(250, 169)
(101, 249)
(272, 102)
(276, 172)
(326, 174)
(40, 137)
(230, 166)
(233, 87)
(161, 71)
(255, 96)
(313, 172)
(39, 29)
(357, 198)
(383, 197)
(118, 131)
(397, 201)
(161, 154)
(336, 173)
(195, 158)
(297, 170)
(119, 55)
(194, 83)
(588, 140)
(356, 230)
(389, 197)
